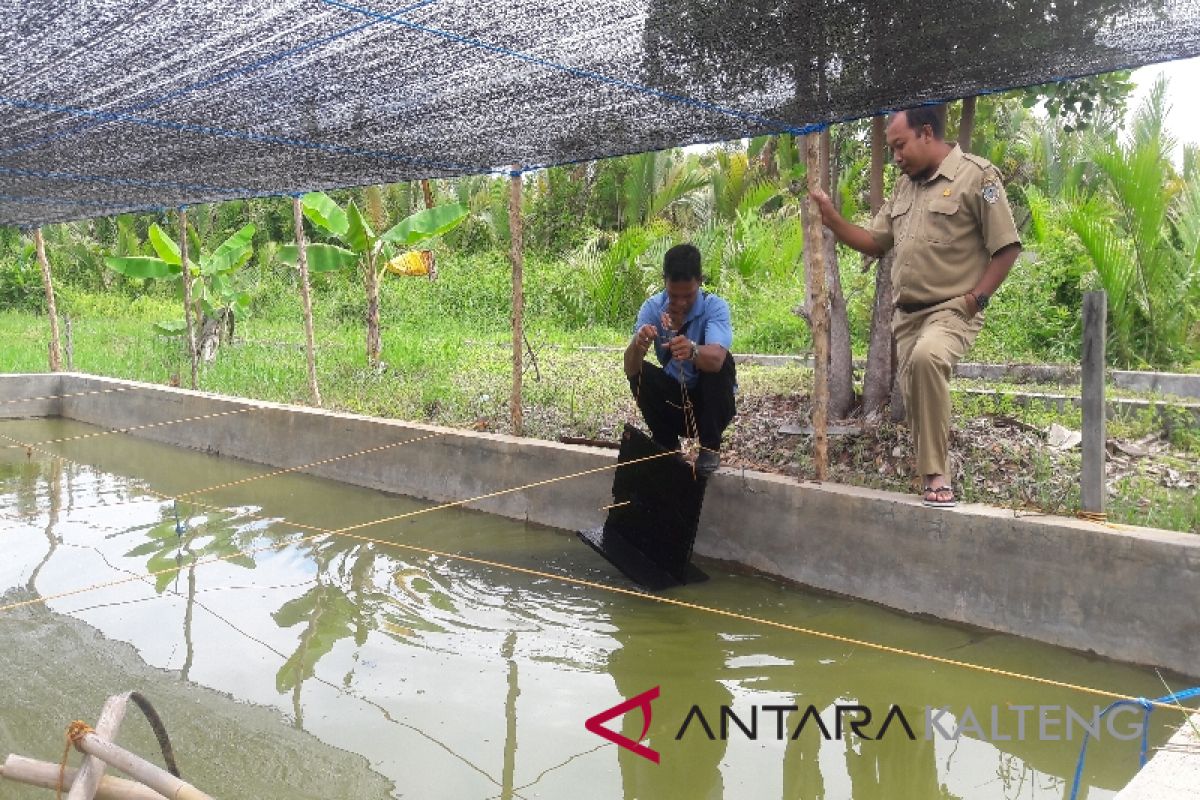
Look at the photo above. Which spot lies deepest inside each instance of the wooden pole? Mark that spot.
(1091, 489)
(51, 309)
(518, 299)
(306, 302)
(69, 342)
(44, 775)
(814, 240)
(186, 277)
(140, 769)
(92, 770)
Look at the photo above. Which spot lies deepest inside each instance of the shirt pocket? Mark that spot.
(901, 218)
(942, 220)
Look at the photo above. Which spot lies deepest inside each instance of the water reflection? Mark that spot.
(465, 680)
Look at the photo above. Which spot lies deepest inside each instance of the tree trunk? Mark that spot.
(841, 357)
(879, 378)
(51, 309)
(374, 340)
(966, 126)
(427, 190)
(211, 334)
(518, 300)
(186, 277)
(306, 303)
(878, 157)
(820, 319)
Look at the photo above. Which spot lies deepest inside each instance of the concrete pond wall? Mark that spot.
(1125, 593)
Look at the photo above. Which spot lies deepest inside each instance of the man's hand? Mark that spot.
(823, 202)
(645, 337)
(635, 353)
(846, 232)
(681, 348)
(972, 304)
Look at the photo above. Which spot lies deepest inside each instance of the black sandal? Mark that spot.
(943, 497)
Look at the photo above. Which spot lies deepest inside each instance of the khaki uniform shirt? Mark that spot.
(945, 229)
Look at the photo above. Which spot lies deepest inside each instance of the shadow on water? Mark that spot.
(457, 679)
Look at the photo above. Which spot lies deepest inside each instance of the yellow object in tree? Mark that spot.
(415, 263)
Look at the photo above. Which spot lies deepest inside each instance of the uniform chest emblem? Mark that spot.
(991, 193)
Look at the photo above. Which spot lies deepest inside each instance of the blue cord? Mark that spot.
(211, 130)
(1147, 706)
(218, 78)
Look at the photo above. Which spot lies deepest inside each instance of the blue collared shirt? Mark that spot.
(707, 323)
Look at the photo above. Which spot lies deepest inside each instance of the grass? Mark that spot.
(444, 369)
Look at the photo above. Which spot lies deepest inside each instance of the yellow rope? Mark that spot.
(130, 429)
(347, 532)
(65, 396)
(75, 733)
(309, 465)
(317, 532)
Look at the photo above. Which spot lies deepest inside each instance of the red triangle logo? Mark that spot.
(642, 701)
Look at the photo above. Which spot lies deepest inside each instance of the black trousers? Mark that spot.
(661, 400)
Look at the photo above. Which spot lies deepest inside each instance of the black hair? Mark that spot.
(682, 263)
(933, 116)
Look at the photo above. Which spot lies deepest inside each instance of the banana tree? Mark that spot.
(371, 252)
(216, 290)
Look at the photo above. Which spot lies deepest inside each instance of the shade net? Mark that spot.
(118, 106)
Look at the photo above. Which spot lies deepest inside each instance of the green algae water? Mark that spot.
(291, 663)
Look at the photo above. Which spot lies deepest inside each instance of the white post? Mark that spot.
(302, 261)
(44, 775)
(518, 299)
(140, 769)
(92, 770)
(48, 285)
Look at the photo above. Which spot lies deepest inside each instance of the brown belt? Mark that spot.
(913, 308)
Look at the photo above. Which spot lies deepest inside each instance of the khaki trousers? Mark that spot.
(928, 345)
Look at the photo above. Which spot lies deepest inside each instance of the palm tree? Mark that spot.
(1137, 224)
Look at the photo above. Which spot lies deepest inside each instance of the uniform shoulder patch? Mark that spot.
(979, 161)
(991, 192)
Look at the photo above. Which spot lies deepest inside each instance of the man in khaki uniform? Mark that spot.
(955, 240)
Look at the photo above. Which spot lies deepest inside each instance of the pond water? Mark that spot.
(291, 662)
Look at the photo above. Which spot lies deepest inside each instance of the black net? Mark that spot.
(652, 524)
(114, 106)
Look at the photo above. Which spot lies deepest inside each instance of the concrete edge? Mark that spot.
(1067, 582)
(1174, 772)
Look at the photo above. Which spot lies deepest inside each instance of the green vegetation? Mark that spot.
(1098, 207)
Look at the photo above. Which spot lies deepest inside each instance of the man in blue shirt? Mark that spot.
(693, 395)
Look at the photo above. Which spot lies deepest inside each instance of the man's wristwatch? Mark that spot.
(695, 352)
(982, 300)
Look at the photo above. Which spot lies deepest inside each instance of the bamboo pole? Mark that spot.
(92, 770)
(48, 284)
(518, 299)
(814, 239)
(44, 775)
(186, 277)
(306, 301)
(140, 769)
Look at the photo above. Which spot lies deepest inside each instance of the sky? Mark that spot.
(1183, 120)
